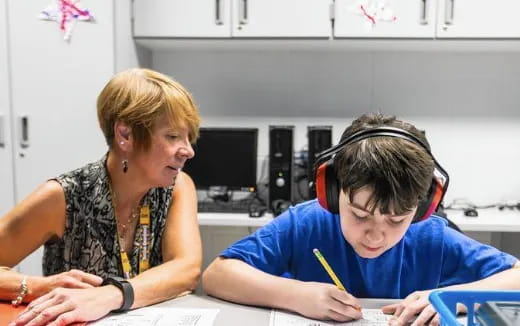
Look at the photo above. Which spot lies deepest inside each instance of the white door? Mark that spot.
(54, 89)
(478, 19)
(281, 18)
(182, 18)
(6, 147)
(385, 18)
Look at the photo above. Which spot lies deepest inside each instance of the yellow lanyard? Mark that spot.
(144, 246)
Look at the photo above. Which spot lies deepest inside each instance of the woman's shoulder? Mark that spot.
(84, 177)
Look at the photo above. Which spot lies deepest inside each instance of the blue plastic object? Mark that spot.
(445, 302)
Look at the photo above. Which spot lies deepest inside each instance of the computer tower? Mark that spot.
(319, 139)
(280, 167)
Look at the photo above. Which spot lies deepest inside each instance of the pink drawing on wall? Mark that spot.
(66, 13)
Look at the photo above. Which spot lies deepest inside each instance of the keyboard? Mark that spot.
(211, 206)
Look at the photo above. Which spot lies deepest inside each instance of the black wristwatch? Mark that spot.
(125, 287)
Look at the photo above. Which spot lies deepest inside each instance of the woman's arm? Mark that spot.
(181, 249)
(182, 254)
(37, 219)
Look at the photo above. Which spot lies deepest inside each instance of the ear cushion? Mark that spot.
(327, 187)
(428, 206)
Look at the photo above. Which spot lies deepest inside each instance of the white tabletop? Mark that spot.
(489, 220)
(233, 219)
(231, 314)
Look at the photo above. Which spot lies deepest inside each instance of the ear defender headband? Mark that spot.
(328, 188)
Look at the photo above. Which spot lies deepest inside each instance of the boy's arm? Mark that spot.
(508, 279)
(417, 303)
(236, 281)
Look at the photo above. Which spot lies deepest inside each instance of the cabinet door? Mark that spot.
(281, 18)
(384, 18)
(182, 18)
(478, 19)
(54, 89)
(6, 159)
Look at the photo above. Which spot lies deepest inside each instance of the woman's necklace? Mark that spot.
(122, 228)
(125, 226)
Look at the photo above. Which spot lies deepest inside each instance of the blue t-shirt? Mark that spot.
(430, 255)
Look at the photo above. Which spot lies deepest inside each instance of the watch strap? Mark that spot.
(125, 287)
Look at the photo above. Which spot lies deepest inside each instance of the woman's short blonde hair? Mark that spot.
(139, 97)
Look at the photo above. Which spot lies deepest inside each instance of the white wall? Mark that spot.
(466, 101)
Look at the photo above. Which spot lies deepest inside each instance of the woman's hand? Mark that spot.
(74, 278)
(414, 305)
(326, 302)
(64, 306)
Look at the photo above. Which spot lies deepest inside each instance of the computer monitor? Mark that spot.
(225, 157)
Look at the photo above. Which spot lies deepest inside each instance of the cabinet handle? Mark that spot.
(219, 12)
(2, 132)
(449, 12)
(424, 12)
(242, 12)
(24, 131)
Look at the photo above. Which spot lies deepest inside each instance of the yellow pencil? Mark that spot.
(328, 269)
(331, 273)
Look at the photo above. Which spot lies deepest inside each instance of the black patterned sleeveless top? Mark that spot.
(89, 242)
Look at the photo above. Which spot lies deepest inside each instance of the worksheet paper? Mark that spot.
(160, 317)
(370, 317)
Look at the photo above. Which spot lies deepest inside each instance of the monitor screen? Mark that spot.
(225, 157)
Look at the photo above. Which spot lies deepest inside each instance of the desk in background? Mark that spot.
(489, 220)
(234, 219)
(492, 226)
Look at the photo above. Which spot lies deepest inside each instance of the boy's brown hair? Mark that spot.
(398, 171)
(139, 98)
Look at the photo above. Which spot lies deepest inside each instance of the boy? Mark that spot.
(373, 185)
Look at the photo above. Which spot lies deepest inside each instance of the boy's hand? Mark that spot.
(326, 302)
(414, 305)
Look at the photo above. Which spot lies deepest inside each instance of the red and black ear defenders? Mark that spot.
(328, 188)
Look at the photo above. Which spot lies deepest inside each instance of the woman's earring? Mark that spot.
(124, 163)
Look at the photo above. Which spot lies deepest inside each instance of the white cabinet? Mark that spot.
(427, 18)
(6, 160)
(281, 18)
(232, 18)
(54, 86)
(182, 18)
(385, 18)
(311, 18)
(478, 19)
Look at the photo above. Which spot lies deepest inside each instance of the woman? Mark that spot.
(131, 214)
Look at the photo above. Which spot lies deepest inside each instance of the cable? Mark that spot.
(464, 204)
